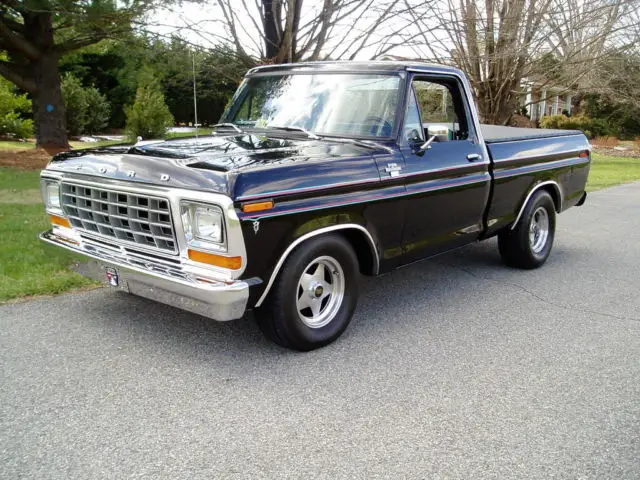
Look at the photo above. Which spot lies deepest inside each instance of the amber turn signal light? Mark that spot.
(60, 221)
(584, 154)
(257, 207)
(233, 263)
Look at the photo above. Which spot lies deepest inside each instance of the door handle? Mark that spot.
(472, 157)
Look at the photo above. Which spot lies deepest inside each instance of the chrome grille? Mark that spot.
(127, 217)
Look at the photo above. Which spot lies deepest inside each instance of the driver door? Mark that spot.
(447, 182)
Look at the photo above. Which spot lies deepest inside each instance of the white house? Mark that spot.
(541, 99)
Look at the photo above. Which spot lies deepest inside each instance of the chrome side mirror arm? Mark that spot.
(427, 145)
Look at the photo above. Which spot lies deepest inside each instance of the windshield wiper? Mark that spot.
(354, 141)
(360, 143)
(295, 128)
(229, 125)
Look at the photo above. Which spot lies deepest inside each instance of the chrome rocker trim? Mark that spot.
(309, 235)
(209, 297)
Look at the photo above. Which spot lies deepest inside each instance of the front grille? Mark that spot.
(127, 217)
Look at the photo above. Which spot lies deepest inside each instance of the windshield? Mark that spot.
(350, 105)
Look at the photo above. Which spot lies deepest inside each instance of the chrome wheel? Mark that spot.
(539, 230)
(320, 292)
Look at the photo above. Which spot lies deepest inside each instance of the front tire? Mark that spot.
(529, 244)
(314, 296)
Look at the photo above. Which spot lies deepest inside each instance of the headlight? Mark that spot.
(51, 195)
(203, 224)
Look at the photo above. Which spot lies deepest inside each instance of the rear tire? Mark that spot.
(314, 296)
(529, 244)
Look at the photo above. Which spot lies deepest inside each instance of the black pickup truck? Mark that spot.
(318, 172)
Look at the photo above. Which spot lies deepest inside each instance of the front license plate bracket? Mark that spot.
(112, 276)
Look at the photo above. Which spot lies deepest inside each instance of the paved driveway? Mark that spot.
(453, 368)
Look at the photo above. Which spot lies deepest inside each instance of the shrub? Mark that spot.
(553, 121)
(592, 127)
(149, 116)
(13, 108)
(98, 110)
(623, 118)
(87, 110)
(12, 125)
(75, 102)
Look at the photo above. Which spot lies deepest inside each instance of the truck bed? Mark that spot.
(498, 133)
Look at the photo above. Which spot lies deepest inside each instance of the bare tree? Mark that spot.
(498, 42)
(282, 31)
(583, 35)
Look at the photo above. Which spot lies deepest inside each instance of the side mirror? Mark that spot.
(413, 136)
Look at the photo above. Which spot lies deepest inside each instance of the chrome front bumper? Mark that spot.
(156, 280)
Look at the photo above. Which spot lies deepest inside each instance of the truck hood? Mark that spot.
(209, 163)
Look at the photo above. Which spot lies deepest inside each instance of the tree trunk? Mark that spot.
(48, 104)
(495, 110)
(271, 37)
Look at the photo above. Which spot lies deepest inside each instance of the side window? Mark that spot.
(442, 109)
(243, 114)
(254, 104)
(413, 131)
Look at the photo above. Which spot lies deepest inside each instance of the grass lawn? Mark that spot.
(609, 171)
(6, 145)
(31, 267)
(13, 180)
(201, 131)
(27, 265)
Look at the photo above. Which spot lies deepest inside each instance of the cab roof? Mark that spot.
(377, 66)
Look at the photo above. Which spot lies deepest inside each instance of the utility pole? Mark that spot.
(195, 102)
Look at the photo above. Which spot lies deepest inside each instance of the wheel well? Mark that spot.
(355, 234)
(362, 246)
(555, 195)
(552, 188)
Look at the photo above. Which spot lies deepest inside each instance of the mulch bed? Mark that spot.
(28, 159)
(612, 152)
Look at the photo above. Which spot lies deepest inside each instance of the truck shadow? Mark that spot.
(402, 299)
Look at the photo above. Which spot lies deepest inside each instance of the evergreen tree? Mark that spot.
(75, 103)
(36, 34)
(98, 111)
(149, 116)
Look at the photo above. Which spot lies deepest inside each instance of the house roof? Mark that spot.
(539, 81)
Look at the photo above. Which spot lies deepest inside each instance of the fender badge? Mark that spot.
(256, 226)
(164, 177)
(393, 169)
(131, 173)
(103, 170)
